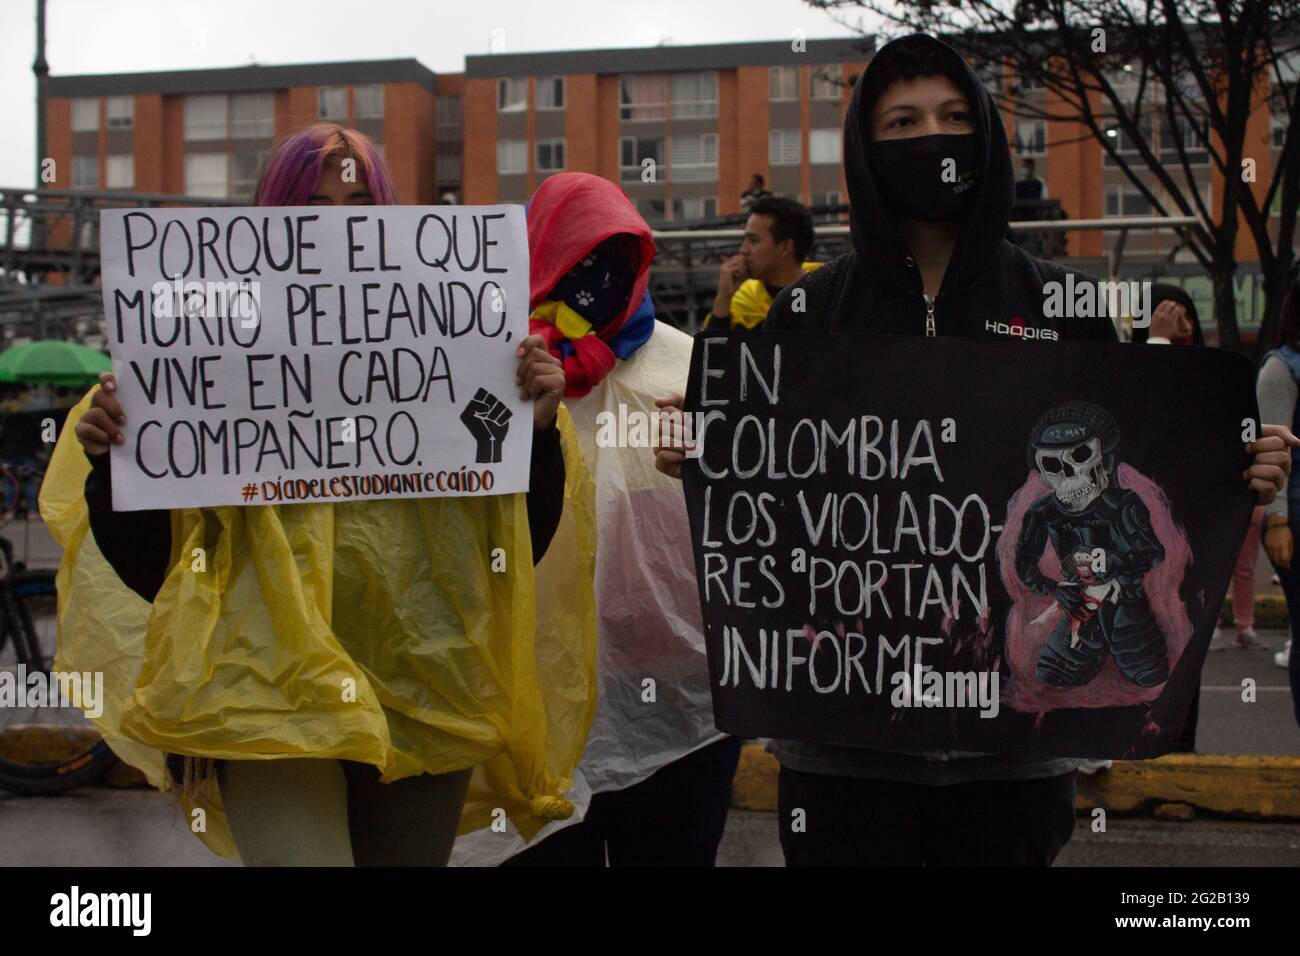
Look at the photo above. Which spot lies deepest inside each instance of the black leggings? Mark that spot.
(674, 818)
(850, 821)
(312, 812)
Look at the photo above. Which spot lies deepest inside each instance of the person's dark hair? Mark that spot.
(790, 220)
(1030, 163)
(758, 178)
(1288, 323)
(909, 59)
(1159, 293)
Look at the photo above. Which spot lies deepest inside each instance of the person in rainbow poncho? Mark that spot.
(654, 784)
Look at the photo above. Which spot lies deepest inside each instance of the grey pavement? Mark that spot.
(99, 826)
(1229, 725)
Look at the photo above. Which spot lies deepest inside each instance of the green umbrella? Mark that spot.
(53, 362)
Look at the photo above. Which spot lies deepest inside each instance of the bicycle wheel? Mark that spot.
(43, 749)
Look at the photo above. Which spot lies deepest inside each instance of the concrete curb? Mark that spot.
(1172, 787)
(1270, 612)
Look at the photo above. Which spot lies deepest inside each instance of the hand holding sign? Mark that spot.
(1272, 465)
(673, 445)
(541, 377)
(101, 425)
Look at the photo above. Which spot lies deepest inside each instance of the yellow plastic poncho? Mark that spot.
(398, 633)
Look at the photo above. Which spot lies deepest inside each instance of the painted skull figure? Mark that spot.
(1102, 536)
(1077, 473)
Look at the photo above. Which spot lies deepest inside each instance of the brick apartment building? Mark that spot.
(206, 133)
(681, 128)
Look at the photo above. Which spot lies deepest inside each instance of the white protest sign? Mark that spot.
(278, 355)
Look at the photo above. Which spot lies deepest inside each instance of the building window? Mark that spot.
(245, 168)
(448, 111)
(1029, 84)
(332, 103)
(699, 207)
(205, 117)
(695, 158)
(512, 156)
(1193, 142)
(119, 172)
(824, 83)
(651, 210)
(85, 114)
(1031, 137)
(695, 95)
(783, 147)
(85, 172)
(448, 168)
(1278, 125)
(633, 151)
(1123, 201)
(643, 98)
(826, 200)
(1124, 143)
(512, 94)
(120, 111)
(550, 92)
(252, 115)
(824, 146)
(550, 155)
(783, 82)
(207, 175)
(368, 101)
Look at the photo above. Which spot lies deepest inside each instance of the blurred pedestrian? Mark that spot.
(755, 192)
(1278, 395)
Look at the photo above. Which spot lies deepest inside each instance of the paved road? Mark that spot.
(751, 840)
(1227, 724)
(98, 826)
(101, 826)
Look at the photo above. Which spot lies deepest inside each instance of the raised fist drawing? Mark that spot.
(487, 419)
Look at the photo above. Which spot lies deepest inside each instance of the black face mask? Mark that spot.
(915, 180)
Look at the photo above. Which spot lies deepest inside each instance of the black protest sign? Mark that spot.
(945, 543)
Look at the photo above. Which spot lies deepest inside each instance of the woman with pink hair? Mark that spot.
(301, 789)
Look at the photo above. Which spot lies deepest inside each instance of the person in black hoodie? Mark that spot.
(930, 187)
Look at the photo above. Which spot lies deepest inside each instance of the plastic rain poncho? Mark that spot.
(369, 631)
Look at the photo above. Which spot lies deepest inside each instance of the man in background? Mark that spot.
(1029, 186)
(778, 237)
(754, 193)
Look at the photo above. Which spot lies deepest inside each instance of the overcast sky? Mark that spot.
(119, 36)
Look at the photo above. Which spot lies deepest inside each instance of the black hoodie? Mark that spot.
(992, 288)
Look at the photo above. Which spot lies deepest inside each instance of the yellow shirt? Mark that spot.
(750, 302)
